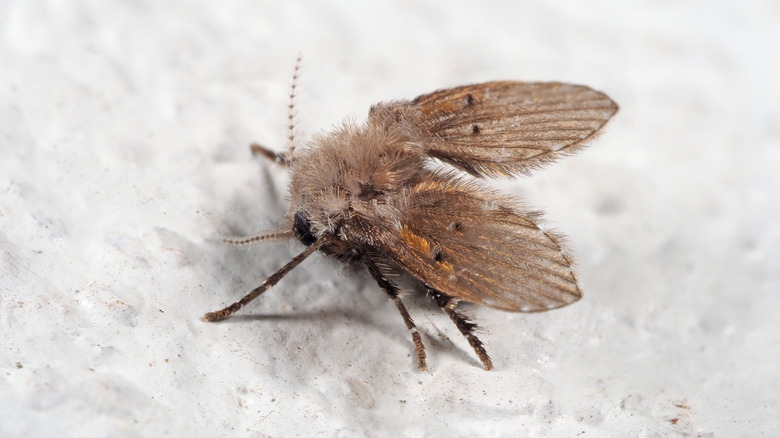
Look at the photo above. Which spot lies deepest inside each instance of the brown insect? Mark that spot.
(368, 193)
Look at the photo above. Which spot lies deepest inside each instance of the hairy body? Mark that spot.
(369, 193)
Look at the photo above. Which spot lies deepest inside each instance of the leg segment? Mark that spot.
(271, 155)
(392, 290)
(269, 282)
(466, 327)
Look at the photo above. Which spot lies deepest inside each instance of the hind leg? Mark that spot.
(462, 322)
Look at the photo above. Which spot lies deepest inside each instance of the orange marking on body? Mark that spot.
(420, 243)
(447, 266)
(415, 240)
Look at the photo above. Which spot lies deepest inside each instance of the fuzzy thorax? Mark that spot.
(352, 174)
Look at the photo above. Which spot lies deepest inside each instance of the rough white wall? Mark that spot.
(123, 150)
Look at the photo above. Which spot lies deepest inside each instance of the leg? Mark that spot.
(466, 327)
(269, 282)
(271, 155)
(392, 290)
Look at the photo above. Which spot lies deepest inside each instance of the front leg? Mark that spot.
(269, 282)
(392, 290)
(278, 158)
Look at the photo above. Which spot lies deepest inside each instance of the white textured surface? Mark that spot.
(123, 149)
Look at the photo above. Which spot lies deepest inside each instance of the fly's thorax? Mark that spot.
(351, 176)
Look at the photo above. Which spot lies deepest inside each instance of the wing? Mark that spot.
(475, 245)
(504, 128)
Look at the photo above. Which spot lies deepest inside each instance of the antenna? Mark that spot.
(291, 108)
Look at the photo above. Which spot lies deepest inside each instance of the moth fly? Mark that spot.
(366, 194)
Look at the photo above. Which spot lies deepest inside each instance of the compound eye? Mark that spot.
(302, 228)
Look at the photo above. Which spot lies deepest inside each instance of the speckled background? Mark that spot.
(124, 132)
